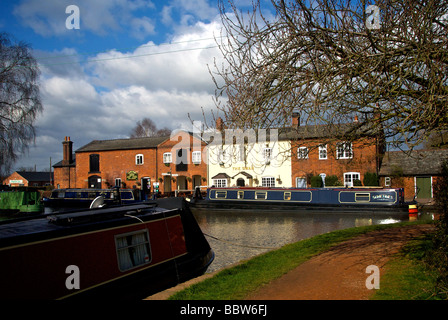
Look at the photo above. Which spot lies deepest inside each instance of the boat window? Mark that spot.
(240, 194)
(221, 194)
(61, 195)
(133, 249)
(362, 197)
(287, 196)
(260, 195)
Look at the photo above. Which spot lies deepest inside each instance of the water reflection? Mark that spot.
(240, 235)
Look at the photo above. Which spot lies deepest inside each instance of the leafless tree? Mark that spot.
(332, 60)
(147, 128)
(20, 101)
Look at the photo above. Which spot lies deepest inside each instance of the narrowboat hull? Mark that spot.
(123, 252)
(66, 199)
(323, 200)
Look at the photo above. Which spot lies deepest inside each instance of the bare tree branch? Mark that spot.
(19, 99)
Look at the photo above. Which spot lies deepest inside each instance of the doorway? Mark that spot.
(423, 187)
(94, 182)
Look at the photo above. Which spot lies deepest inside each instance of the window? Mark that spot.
(268, 182)
(344, 150)
(242, 153)
(240, 195)
(167, 158)
(94, 163)
(267, 154)
(139, 159)
(287, 196)
(362, 197)
(181, 161)
(221, 194)
(300, 182)
(323, 152)
(133, 249)
(196, 157)
(220, 183)
(260, 195)
(302, 153)
(118, 182)
(222, 156)
(350, 177)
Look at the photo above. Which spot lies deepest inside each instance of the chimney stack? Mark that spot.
(67, 148)
(295, 118)
(219, 124)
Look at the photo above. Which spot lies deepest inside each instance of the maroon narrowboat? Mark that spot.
(123, 252)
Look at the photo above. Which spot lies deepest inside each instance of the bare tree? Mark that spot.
(332, 60)
(147, 128)
(19, 99)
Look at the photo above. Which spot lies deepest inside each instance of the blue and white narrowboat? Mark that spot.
(316, 199)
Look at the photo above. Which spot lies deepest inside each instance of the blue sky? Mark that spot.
(128, 60)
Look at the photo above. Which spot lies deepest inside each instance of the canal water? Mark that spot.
(240, 235)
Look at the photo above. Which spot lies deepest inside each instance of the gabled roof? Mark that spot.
(123, 144)
(36, 176)
(72, 164)
(417, 162)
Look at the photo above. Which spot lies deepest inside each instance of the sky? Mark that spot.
(126, 60)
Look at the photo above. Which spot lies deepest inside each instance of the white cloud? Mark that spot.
(47, 18)
(104, 98)
(179, 66)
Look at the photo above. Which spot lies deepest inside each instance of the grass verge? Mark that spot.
(237, 282)
(408, 276)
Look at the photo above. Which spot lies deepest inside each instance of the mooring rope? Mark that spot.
(237, 244)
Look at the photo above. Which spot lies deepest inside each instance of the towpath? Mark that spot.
(340, 273)
(336, 274)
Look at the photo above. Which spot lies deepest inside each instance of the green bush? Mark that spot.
(357, 183)
(316, 182)
(440, 255)
(332, 181)
(371, 179)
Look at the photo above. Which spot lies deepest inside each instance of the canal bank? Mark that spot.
(281, 270)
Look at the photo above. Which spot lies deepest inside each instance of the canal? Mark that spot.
(240, 235)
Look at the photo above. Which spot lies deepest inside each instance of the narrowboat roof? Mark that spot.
(14, 232)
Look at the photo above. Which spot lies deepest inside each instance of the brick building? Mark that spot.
(29, 179)
(415, 171)
(180, 162)
(65, 170)
(139, 163)
(128, 163)
(322, 150)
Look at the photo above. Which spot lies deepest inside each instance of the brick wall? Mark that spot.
(188, 175)
(363, 160)
(116, 164)
(64, 177)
